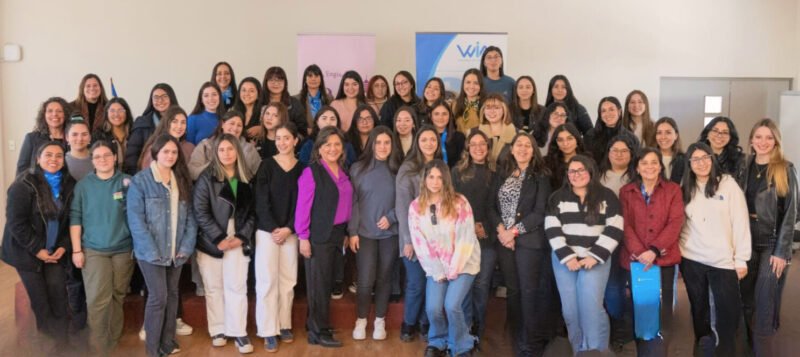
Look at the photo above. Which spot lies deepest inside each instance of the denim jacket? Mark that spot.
(149, 222)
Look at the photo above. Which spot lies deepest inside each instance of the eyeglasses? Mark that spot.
(559, 115)
(116, 111)
(721, 133)
(699, 159)
(493, 107)
(103, 156)
(577, 172)
(433, 215)
(364, 119)
(157, 98)
(620, 151)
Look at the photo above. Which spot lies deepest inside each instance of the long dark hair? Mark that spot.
(232, 84)
(41, 123)
(44, 197)
(689, 182)
(375, 78)
(633, 146)
(233, 113)
(543, 124)
(240, 106)
(637, 177)
(569, 100)
(163, 128)
(324, 109)
(107, 126)
(200, 108)
(647, 123)
(368, 155)
(180, 169)
(508, 163)
(322, 139)
(594, 190)
(483, 59)
(81, 99)
(173, 100)
(465, 166)
(415, 157)
(516, 109)
(732, 152)
(360, 98)
(279, 73)
(676, 148)
(323, 91)
(555, 158)
(352, 135)
(451, 121)
(460, 103)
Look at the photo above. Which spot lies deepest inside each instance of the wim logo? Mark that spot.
(471, 51)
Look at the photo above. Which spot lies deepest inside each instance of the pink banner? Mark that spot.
(335, 55)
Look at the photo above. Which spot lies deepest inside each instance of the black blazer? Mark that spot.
(530, 209)
(454, 147)
(214, 203)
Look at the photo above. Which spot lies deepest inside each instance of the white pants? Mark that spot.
(276, 276)
(225, 283)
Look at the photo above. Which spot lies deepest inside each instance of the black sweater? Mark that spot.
(142, 128)
(477, 190)
(276, 194)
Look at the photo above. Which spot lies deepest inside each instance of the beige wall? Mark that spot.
(604, 47)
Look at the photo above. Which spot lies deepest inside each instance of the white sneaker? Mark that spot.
(142, 334)
(219, 340)
(380, 329)
(353, 287)
(243, 344)
(360, 332)
(182, 329)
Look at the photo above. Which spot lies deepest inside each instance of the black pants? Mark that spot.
(535, 303)
(375, 260)
(47, 293)
(507, 261)
(761, 291)
(319, 279)
(725, 285)
(648, 348)
(77, 297)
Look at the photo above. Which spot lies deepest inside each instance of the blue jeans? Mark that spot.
(476, 301)
(415, 294)
(450, 331)
(582, 305)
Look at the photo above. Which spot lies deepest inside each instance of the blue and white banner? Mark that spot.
(448, 55)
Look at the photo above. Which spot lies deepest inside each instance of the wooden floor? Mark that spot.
(495, 342)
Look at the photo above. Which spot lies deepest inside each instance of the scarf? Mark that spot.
(470, 105)
(316, 102)
(54, 180)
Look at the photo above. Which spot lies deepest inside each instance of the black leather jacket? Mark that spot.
(214, 204)
(777, 216)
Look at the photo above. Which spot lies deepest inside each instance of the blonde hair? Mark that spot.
(448, 194)
(218, 170)
(776, 167)
(494, 97)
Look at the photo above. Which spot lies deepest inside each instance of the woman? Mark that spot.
(497, 82)
(720, 134)
(405, 127)
(163, 229)
(377, 92)
(618, 165)
(91, 101)
(324, 205)
(525, 107)
(554, 115)
(373, 228)
(426, 147)
(276, 240)
(637, 117)
(49, 127)
(313, 94)
(607, 126)
(36, 237)
(566, 144)
(517, 207)
(206, 113)
(559, 90)
(432, 93)
(442, 232)
(452, 140)
(652, 208)
(116, 130)
(174, 124)
(469, 101)
(668, 140)
(161, 98)
(364, 120)
(272, 115)
(223, 207)
(349, 98)
(204, 153)
(496, 123)
(472, 177)
(222, 75)
(276, 89)
(326, 116)
(78, 159)
(405, 93)
(248, 102)
(715, 248)
(584, 226)
(102, 245)
(770, 187)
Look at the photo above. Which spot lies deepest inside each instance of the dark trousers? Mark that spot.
(724, 285)
(477, 300)
(161, 309)
(656, 346)
(761, 294)
(375, 260)
(319, 279)
(76, 295)
(619, 311)
(507, 261)
(48, 296)
(535, 303)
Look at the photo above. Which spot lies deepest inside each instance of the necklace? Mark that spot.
(761, 171)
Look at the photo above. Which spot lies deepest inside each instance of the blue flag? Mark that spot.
(113, 90)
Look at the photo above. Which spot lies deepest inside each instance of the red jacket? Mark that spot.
(657, 224)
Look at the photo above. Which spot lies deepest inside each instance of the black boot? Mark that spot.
(323, 338)
(407, 332)
(423, 331)
(431, 351)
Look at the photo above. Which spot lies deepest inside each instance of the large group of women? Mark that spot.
(451, 188)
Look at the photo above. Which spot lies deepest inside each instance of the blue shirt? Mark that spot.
(504, 86)
(315, 103)
(200, 126)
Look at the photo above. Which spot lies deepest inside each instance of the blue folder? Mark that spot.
(646, 290)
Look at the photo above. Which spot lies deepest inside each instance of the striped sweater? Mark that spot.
(570, 236)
